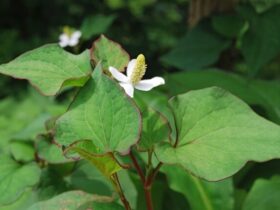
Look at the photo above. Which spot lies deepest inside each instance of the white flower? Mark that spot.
(136, 69)
(69, 38)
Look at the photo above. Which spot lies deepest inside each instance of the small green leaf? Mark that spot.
(155, 128)
(109, 53)
(102, 113)
(199, 48)
(263, 195)
(95, 25)
(15, 179)
(49, 67)
(218, 134)
(22, 151)
(199, 193)
(48, 151)
(69, 200)
(106, 163)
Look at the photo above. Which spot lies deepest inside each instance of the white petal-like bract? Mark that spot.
(118, 75)
(148, 84)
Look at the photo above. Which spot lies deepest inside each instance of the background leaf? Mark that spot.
(199, 48)
(263, 195)
(260, 44)
(199, 193)
(96, 24)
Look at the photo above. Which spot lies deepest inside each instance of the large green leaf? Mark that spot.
(199, 193)
(15, 179)
(261, 42)
(254, 92)
(109, 53)
(48, 68)
(69, 200)
(199, 48)
(102, 113)
(218, 134)
(264, 195)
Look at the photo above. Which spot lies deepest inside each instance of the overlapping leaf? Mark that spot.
(109, 53)
(218, 134)
(49, 67)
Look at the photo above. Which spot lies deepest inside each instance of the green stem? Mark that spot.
(118, 188)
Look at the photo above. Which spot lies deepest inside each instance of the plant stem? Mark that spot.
(119, 190)
(148, 197)
(148, 180)
(137, 167)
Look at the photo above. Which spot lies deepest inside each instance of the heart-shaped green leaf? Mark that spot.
(218, 134)
(48, 68)
(102, 113)
(15, 179)
(109, 53)
(106, 163)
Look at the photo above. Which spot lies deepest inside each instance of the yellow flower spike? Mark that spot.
(139, 69)
(136, 69)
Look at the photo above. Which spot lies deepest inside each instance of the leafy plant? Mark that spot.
(205, 134)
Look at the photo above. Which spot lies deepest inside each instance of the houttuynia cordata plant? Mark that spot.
(118, 123)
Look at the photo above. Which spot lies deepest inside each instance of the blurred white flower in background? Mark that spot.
(135, 71)
(69, 37)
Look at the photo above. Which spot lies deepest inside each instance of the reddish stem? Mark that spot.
(137, 167)
(148, 196)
